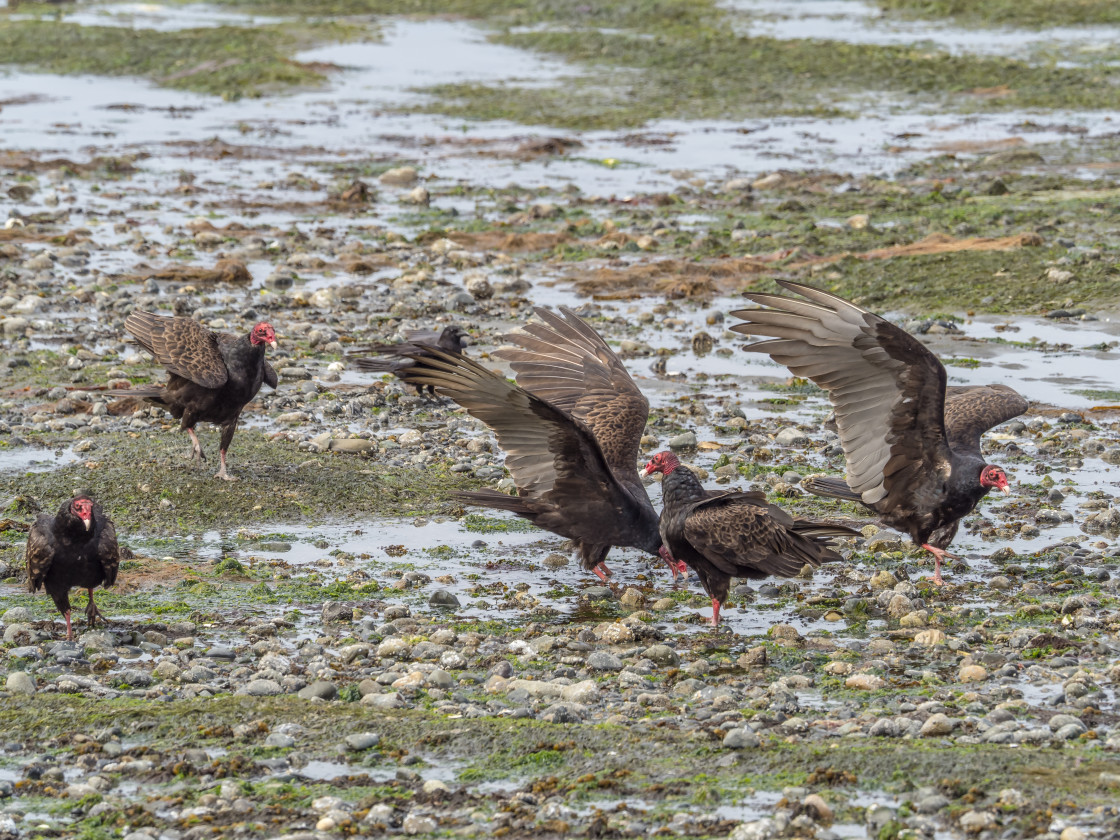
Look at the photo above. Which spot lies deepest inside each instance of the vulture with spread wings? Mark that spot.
(570, 428)
(212, 376)
(912, 450)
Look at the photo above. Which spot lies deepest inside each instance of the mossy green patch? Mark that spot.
(1032, 13)
(147, 485)
(538, 749)
(706, 71)
(480, 524)
(225, 60)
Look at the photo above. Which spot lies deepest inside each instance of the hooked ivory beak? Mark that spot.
(273, 345)
(643, 473)
(1006, 490)
(87, 523)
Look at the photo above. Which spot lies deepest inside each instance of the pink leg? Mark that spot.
(603, 566)
(939, 554)
(196, 447)
(69, 629)
(598, 571)
(715, 613)
(222, 474)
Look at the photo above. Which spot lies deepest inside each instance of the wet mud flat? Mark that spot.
(331, 646)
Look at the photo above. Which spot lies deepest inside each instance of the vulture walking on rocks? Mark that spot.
(570, 428)
(75, 547)
(452, 339)
(212, 376)
(733, 533)
(912, 449)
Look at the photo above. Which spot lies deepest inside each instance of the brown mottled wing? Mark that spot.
(971, 411)
(40, 551)
(108, 552)
(270, 377)
(550, 455)
(744, 536)
(565, 362)
(888, 390)
(182, 345)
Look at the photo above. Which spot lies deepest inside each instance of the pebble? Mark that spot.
(321, 689)
(20, 682)
(685, 441)
(741, 739)
(937, 725)
(600, 660)
(261, 688)
(362, 741)
(444, 599)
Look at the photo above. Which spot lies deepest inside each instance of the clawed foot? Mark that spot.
(939, 554)
(224, 476)
(93, 613)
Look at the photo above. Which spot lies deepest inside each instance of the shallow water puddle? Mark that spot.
(860, 22)
(29, 459)
(349, 122)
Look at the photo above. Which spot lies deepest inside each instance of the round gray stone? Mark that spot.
(323, 689)
(362, 741)
(600, 660)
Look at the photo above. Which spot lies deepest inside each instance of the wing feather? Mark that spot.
(182, 345)
(888, 390)
(565, 362)
(39, 553)
(553, 457)
(969, 412)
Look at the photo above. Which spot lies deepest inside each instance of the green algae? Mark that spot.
(1026, 13)
(226, 61)
(703, 70)
(542, 750)
(147, 485)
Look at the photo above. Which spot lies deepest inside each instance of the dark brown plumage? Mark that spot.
(212, 376)
(568, 480)
(734, 533)
(75, 547)
(913, 454)
(451, 339)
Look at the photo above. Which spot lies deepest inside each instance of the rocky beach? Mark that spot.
(331, 646)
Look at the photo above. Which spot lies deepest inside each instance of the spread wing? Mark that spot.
(888, 390)
(971, 411)
(566, 363)
(182, 345)
(552, 457)
(40, 551)
(744, 536)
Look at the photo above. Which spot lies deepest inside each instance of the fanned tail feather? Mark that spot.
(147, 392)
(494, 499)
(379, 365)
(830, 487)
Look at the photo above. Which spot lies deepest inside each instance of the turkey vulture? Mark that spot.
(451, 339)
(212, 376)
(76, 547)
(570, 429)
(734, 534)
(913, 453)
